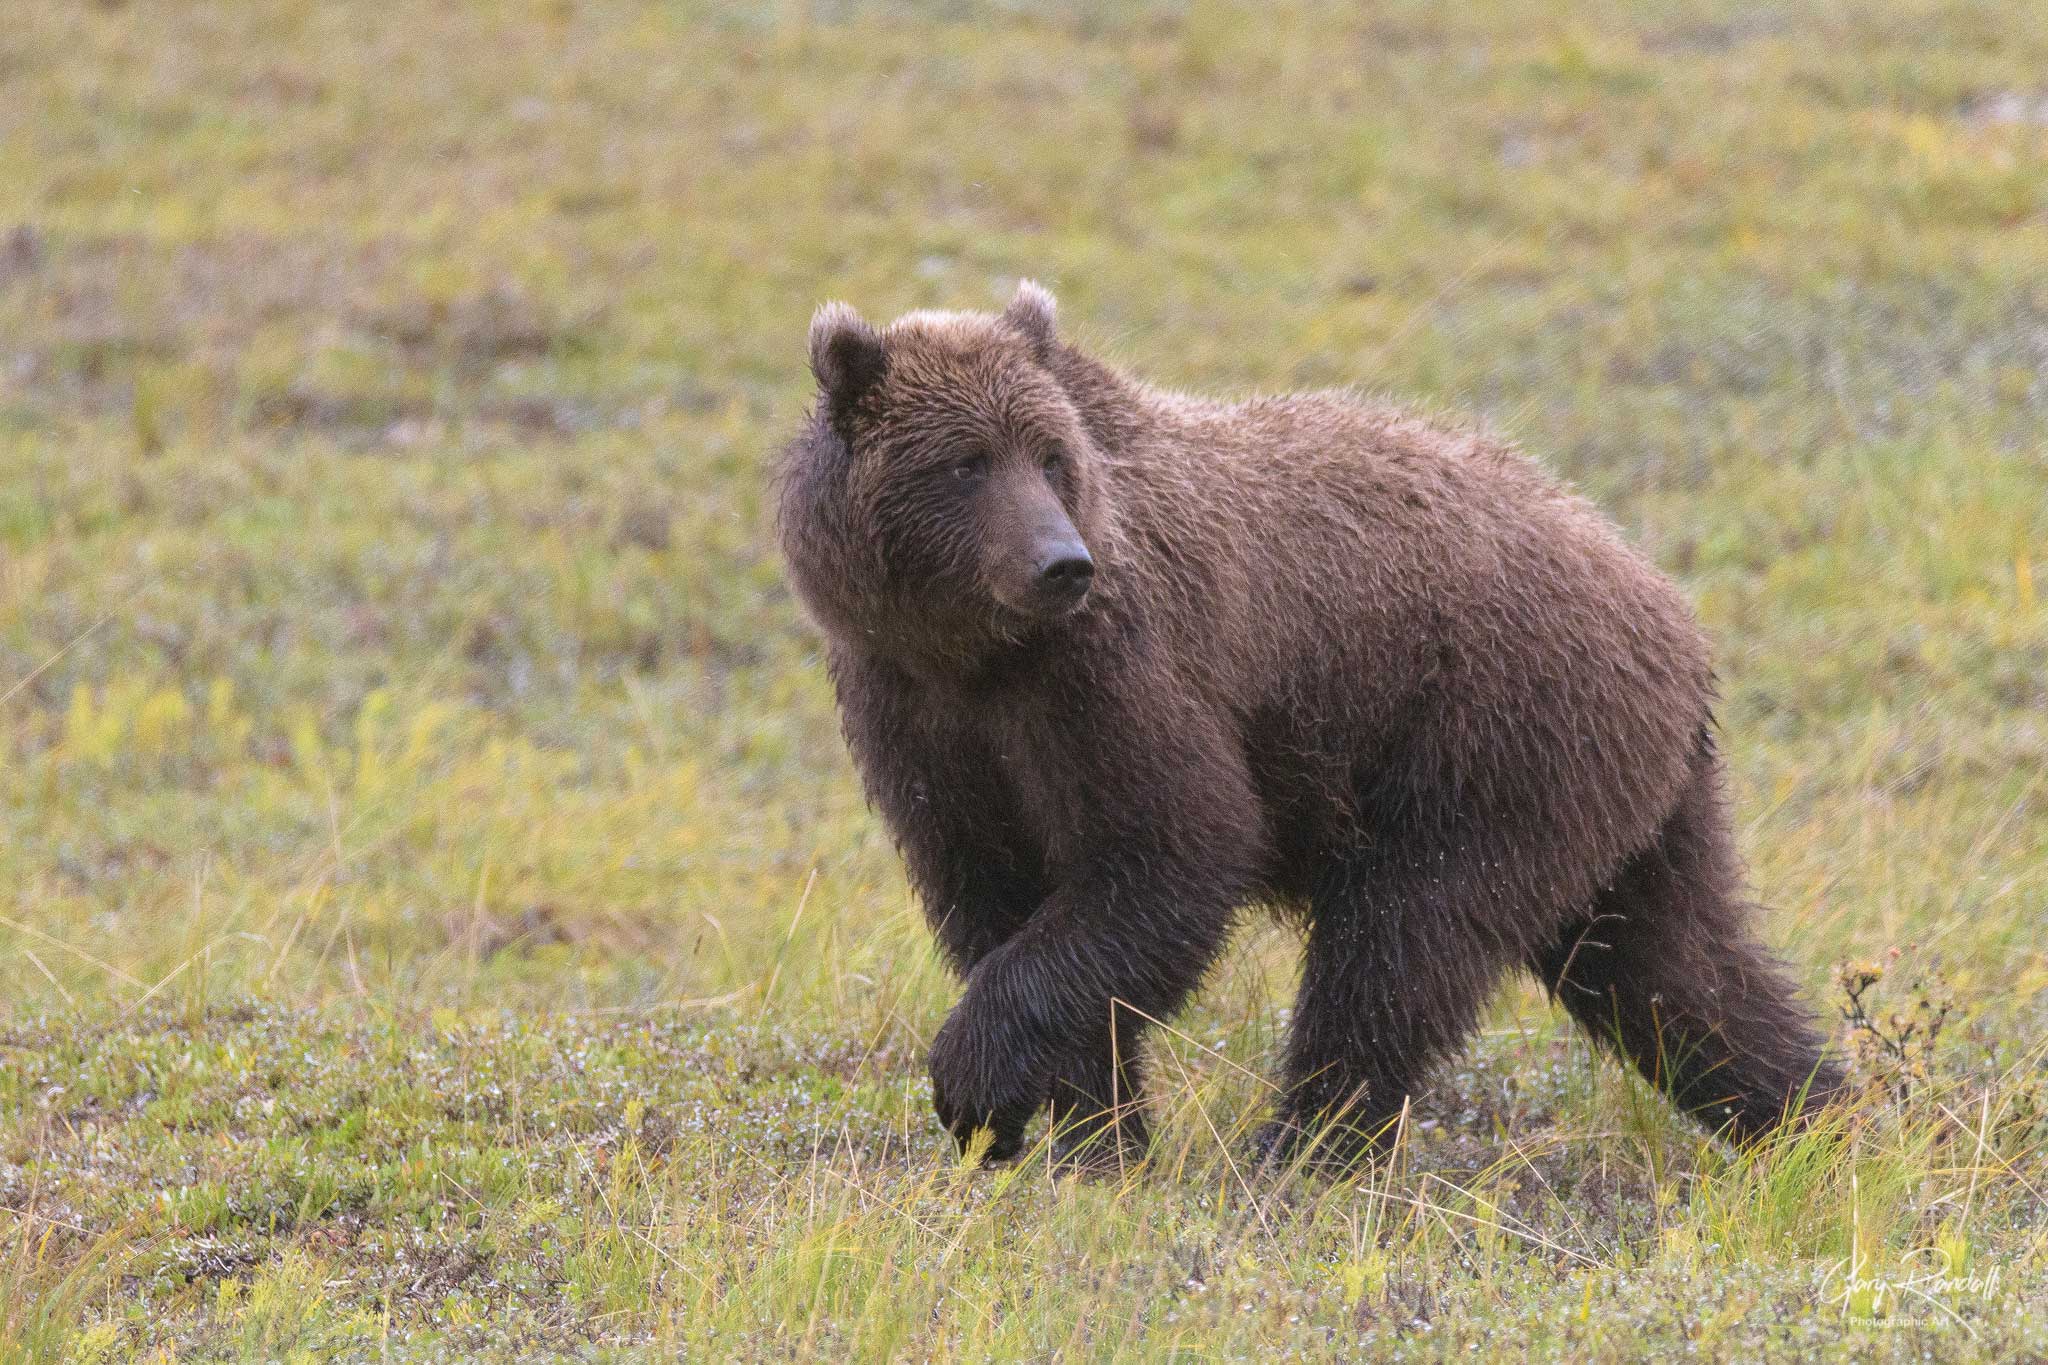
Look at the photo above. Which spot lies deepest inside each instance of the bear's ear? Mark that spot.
(1031, 313)
(846, 356)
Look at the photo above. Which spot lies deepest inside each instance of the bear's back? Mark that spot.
(1322, 557)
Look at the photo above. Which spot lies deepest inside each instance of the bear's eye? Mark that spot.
(1051, 461)
(971, 469)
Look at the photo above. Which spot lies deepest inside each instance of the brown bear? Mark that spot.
(1114, 662)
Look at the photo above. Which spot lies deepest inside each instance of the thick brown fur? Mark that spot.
(1337, 658)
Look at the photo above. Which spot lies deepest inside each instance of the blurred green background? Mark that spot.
(391, 635)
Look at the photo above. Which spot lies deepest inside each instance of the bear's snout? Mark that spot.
(1038, 563)
(1064, 571)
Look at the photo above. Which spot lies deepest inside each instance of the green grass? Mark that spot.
(437, 916)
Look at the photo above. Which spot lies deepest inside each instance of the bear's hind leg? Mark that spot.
(1665, 971)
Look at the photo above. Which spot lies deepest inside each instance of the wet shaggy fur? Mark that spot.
(1378, 672)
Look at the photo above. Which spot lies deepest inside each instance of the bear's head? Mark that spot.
(943, 494)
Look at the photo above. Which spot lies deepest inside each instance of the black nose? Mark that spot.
(1067, 571)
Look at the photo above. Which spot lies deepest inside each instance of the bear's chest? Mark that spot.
(1049, 776)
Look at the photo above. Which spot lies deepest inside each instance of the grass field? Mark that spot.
(437, 916)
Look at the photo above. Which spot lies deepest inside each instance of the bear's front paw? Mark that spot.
(977, 1083)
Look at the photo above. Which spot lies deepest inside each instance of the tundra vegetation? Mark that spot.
(437, 915)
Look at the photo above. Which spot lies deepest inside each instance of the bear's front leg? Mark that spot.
(1166, 834)
(996, 1067)
(955, 821)
(991, 1067)
(1098, 1105)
